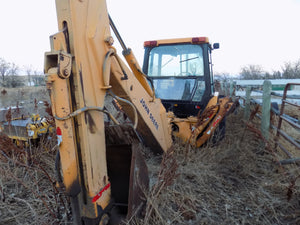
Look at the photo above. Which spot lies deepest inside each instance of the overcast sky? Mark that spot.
(260, 32)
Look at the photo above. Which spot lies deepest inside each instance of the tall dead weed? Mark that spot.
(237, 181)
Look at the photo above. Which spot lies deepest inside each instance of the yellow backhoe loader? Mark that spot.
(25, 131)
(102, 166)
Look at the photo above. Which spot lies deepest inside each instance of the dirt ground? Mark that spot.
(236, 181)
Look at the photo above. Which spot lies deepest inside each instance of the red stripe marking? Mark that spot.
(58, 131)
(100, 193)
(215, 123)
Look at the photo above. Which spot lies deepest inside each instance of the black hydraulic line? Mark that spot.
(113, 27)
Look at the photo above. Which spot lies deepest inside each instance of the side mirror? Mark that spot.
(216, 46)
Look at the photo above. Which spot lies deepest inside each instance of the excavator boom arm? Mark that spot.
(82, 68)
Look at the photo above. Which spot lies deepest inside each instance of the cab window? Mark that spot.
(176, 60)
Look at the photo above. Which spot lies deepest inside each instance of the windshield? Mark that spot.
(179, 89)
(176, 60)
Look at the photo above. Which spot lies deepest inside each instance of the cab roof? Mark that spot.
(192, 40)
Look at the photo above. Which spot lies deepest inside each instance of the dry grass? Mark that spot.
(237, 181)
(27, 98)
(24, 94)
(28, 194)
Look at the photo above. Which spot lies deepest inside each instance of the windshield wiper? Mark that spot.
(188, 59)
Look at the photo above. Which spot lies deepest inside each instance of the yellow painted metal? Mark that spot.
(84, 29)
(83, 146)
(197, 131)
(224, 106)
(137, 71)
(190, 128)
(153, 124)
(61, 106)
(184, 126)
(207, 116)
(35, 128)
(18, 138)
(179, 40)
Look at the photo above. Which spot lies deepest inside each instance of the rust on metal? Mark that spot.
(139, 183)
(91, 123)
(127, 169)
(279, 132)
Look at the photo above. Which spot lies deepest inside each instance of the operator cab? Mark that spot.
(181, 72)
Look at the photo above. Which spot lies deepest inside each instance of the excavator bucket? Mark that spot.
(127, 171)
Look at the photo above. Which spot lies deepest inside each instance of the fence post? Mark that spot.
(231, 88)
(247, 104)
(227, 88)
(266, 108)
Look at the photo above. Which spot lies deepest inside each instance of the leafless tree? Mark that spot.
(39, 78)
(291, 70)
(13, 69)
(222, 76)
(4, 68)
(13, 80)
(29, 72)
(277, 75)
(252, 72)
